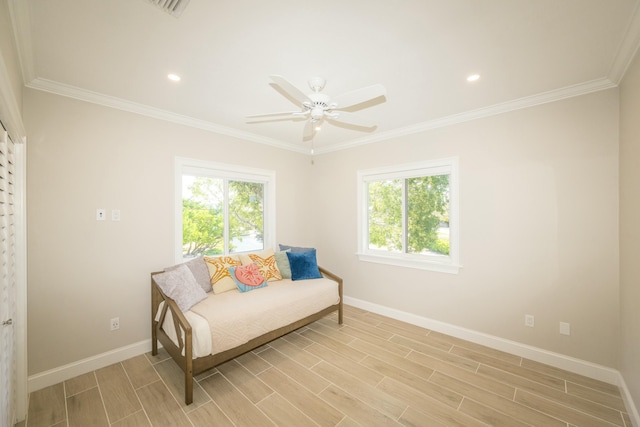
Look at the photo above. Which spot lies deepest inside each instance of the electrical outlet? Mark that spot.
(115, 323)
(529, 320)
(101, 214)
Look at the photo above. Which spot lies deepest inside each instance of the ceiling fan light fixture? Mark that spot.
(317, 113)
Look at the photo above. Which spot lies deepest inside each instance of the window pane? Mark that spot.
(408, 215)
(385, 215)
(246, 216)
(428, 215)
(202, 216)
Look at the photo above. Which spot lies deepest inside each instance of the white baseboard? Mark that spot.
(629, 403)
(63, 373)
(571, 364)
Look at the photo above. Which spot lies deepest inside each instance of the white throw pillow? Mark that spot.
(180, 285)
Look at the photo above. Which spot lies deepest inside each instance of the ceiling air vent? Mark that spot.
(173, 7)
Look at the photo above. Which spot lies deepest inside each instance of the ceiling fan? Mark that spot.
(317, 107)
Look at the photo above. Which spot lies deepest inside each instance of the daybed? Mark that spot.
(230, 313)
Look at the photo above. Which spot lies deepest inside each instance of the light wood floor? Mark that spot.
(371, 371)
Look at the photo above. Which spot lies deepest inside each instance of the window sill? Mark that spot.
(421, 264)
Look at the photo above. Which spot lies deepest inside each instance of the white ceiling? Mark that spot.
(119, 52)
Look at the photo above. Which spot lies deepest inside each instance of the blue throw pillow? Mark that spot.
(304, 265)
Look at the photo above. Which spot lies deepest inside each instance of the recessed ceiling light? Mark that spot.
(473, 77)
(173, 77)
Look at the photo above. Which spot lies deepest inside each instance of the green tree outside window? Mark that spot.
(208, 206)
(422, 227)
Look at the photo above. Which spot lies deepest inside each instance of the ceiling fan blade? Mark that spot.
(307, 133)
(351, 119)
(290, 89)
(284, 113)
(359, 96)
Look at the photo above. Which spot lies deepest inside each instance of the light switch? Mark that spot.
(115, 215)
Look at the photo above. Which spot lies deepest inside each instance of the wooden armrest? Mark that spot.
(179, 320)
(329, 275)
(326, 273)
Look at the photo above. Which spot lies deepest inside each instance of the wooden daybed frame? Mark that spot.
(192, 366)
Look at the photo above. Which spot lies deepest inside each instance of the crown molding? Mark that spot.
(627, 49)
(491, 110)
(156, 113)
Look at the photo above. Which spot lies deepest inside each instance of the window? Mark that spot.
(408, 215)
(222, 209)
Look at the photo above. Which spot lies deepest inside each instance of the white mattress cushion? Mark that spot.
(235, 318)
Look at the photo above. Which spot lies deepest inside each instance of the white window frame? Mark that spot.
(450, 264)
(186, 166)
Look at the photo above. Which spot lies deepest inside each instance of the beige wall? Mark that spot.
(630, 229)
(83, 272)
(539, 197)
(539, 232)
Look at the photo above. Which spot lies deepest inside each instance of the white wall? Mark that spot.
(539, 232)
(83, 272)
(630, 229)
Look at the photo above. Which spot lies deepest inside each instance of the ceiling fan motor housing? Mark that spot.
(320, 105)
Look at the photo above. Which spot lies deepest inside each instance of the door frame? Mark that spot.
(20, 331)
(12, 119)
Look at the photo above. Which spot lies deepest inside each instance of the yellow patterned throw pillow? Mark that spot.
(221, 280)
(266, 262)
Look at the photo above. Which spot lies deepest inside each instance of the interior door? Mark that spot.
(8, 280)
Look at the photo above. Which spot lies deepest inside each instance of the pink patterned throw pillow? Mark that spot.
(247, 277)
